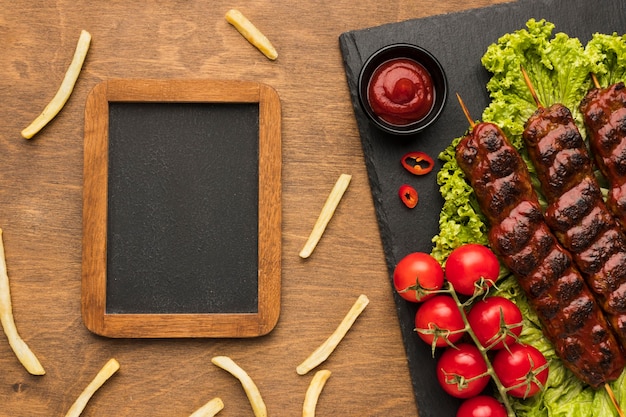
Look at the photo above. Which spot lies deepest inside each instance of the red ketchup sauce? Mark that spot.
(401, 91)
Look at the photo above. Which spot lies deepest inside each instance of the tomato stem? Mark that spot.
(439, 333)
(483, 351)
(530, 378)
(505, 331)
(460, 381)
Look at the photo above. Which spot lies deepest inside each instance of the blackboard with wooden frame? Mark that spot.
(144, 140)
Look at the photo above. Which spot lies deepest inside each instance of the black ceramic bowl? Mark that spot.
(421, 56)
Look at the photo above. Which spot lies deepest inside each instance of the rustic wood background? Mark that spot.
(41, 208)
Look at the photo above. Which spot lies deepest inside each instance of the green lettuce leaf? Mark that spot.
(607, 54)
(460, 220)
(557, 67)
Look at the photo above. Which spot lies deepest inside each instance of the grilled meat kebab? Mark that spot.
(571, 317)
(576, 211)
(604, 112)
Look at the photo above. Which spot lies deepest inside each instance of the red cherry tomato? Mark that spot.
(408, 195)
(415, 275)
(461, 371)
(495, 318)
(468, 264)
(481, 406)
(438, 321)
(522, 369)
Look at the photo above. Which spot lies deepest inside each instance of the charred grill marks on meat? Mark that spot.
(571, 318)
(573, 205)
(577, 213)
(604, 111)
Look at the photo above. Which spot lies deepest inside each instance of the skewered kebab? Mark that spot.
(571, 318)
(576, 211)
(604, 112)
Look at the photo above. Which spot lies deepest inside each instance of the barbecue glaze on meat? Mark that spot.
(576, 212)
(604, 112)
(571, 318)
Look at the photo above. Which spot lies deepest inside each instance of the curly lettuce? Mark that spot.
(560, 69)
(460, 220)
(557, 67)
(607, 54)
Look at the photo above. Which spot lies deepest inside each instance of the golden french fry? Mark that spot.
(101, 377)
(323, 352)
(251, 33)
(252, 392)
(26, 357)
(209, 409)
(326, 214)
(65, 90)
(313, 392)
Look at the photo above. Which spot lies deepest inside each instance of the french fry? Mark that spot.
(326, 214)
(26, 357)
(323, 352)
(251, 33)
(313, 392)
(209, 409)
(101, 377)
(65, 90)
(252, 392)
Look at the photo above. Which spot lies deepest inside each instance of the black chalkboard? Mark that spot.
(190, 214)
(180, 208)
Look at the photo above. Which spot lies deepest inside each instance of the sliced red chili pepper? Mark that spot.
(408, 195)
(418, 163)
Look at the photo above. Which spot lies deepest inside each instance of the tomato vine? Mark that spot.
(491, 323)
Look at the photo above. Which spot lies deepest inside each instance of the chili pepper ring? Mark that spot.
(418, 163)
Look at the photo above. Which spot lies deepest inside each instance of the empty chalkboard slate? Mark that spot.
(181, 209)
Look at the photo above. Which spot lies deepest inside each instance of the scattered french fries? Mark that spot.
(328, 210)
(65, 90)
(313, 392)
(251, 33)
(252, 392)
(110, 368)
(209, 409)
(26, 357)
(323, 352)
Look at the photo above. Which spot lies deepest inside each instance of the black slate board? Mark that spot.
(458, 40)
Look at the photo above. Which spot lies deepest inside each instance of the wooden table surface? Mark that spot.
(41, 208)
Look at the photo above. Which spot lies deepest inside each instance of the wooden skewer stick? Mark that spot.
(530, 87)
(465, 111)
(613, 400)
(596, 83)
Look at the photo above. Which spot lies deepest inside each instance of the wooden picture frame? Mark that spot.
(95, 211)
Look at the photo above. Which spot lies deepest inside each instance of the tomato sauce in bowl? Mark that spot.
(402, 89)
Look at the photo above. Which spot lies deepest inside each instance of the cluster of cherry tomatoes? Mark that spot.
(479, 337)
